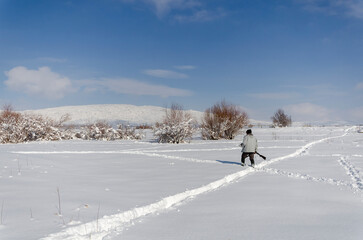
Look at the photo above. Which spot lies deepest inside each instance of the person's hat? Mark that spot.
(249, 131)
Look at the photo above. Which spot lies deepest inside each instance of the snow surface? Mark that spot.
(310, 187)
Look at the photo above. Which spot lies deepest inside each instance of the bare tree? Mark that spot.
(223, 120)
(64, 118)
(8, 115)
(280, 119)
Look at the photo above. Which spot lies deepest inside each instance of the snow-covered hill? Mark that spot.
(114, 113)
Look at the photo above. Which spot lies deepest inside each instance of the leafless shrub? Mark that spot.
(176, 127)
(17, 128)
(9, 122)
(128, 132)
(223, 120)
(37, 127)
(63, 119)
(103, 131)
(144, 126)
(97, 131)
(280, 119)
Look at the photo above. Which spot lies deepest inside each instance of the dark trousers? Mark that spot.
(250, 155)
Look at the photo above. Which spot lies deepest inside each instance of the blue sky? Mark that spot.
(305, 56)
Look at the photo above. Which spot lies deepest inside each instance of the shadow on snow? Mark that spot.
(228, 162)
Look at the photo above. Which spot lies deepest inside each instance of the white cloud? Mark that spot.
(45, 83)
(42, 82)
(160, 73)
(308, 112)
(133, 87)
(359, 86)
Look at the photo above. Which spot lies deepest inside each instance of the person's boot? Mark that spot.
(252, 163)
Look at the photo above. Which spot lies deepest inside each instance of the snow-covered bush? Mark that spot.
(38, 128)
(127, 132)
(144, 126)
(177, 126)
(97, 131)
(17, 128)
(104, 131)
(223, 120)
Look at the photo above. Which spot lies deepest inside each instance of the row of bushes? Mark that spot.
(18, 128)
(104, 131)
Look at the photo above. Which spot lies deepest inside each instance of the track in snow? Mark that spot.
(357, 182)
(307, 177)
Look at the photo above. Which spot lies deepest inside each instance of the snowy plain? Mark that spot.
(310, 187)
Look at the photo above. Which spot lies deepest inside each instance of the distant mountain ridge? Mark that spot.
(113, 113)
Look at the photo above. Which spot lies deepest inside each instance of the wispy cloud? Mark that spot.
(183, 10)
(355, 9)
(52, 60)
(359, 86)
(352, 8)
(132, 87)
(201, 16)
(326, 90)
(185, 67)
(308, 112)
(41, 82)
(164, 7)
(274, 96)
(356, 114)
(161, 73)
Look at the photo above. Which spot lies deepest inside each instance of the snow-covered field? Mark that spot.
(310, 187)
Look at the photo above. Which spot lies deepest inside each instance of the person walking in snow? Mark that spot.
(249, 147)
